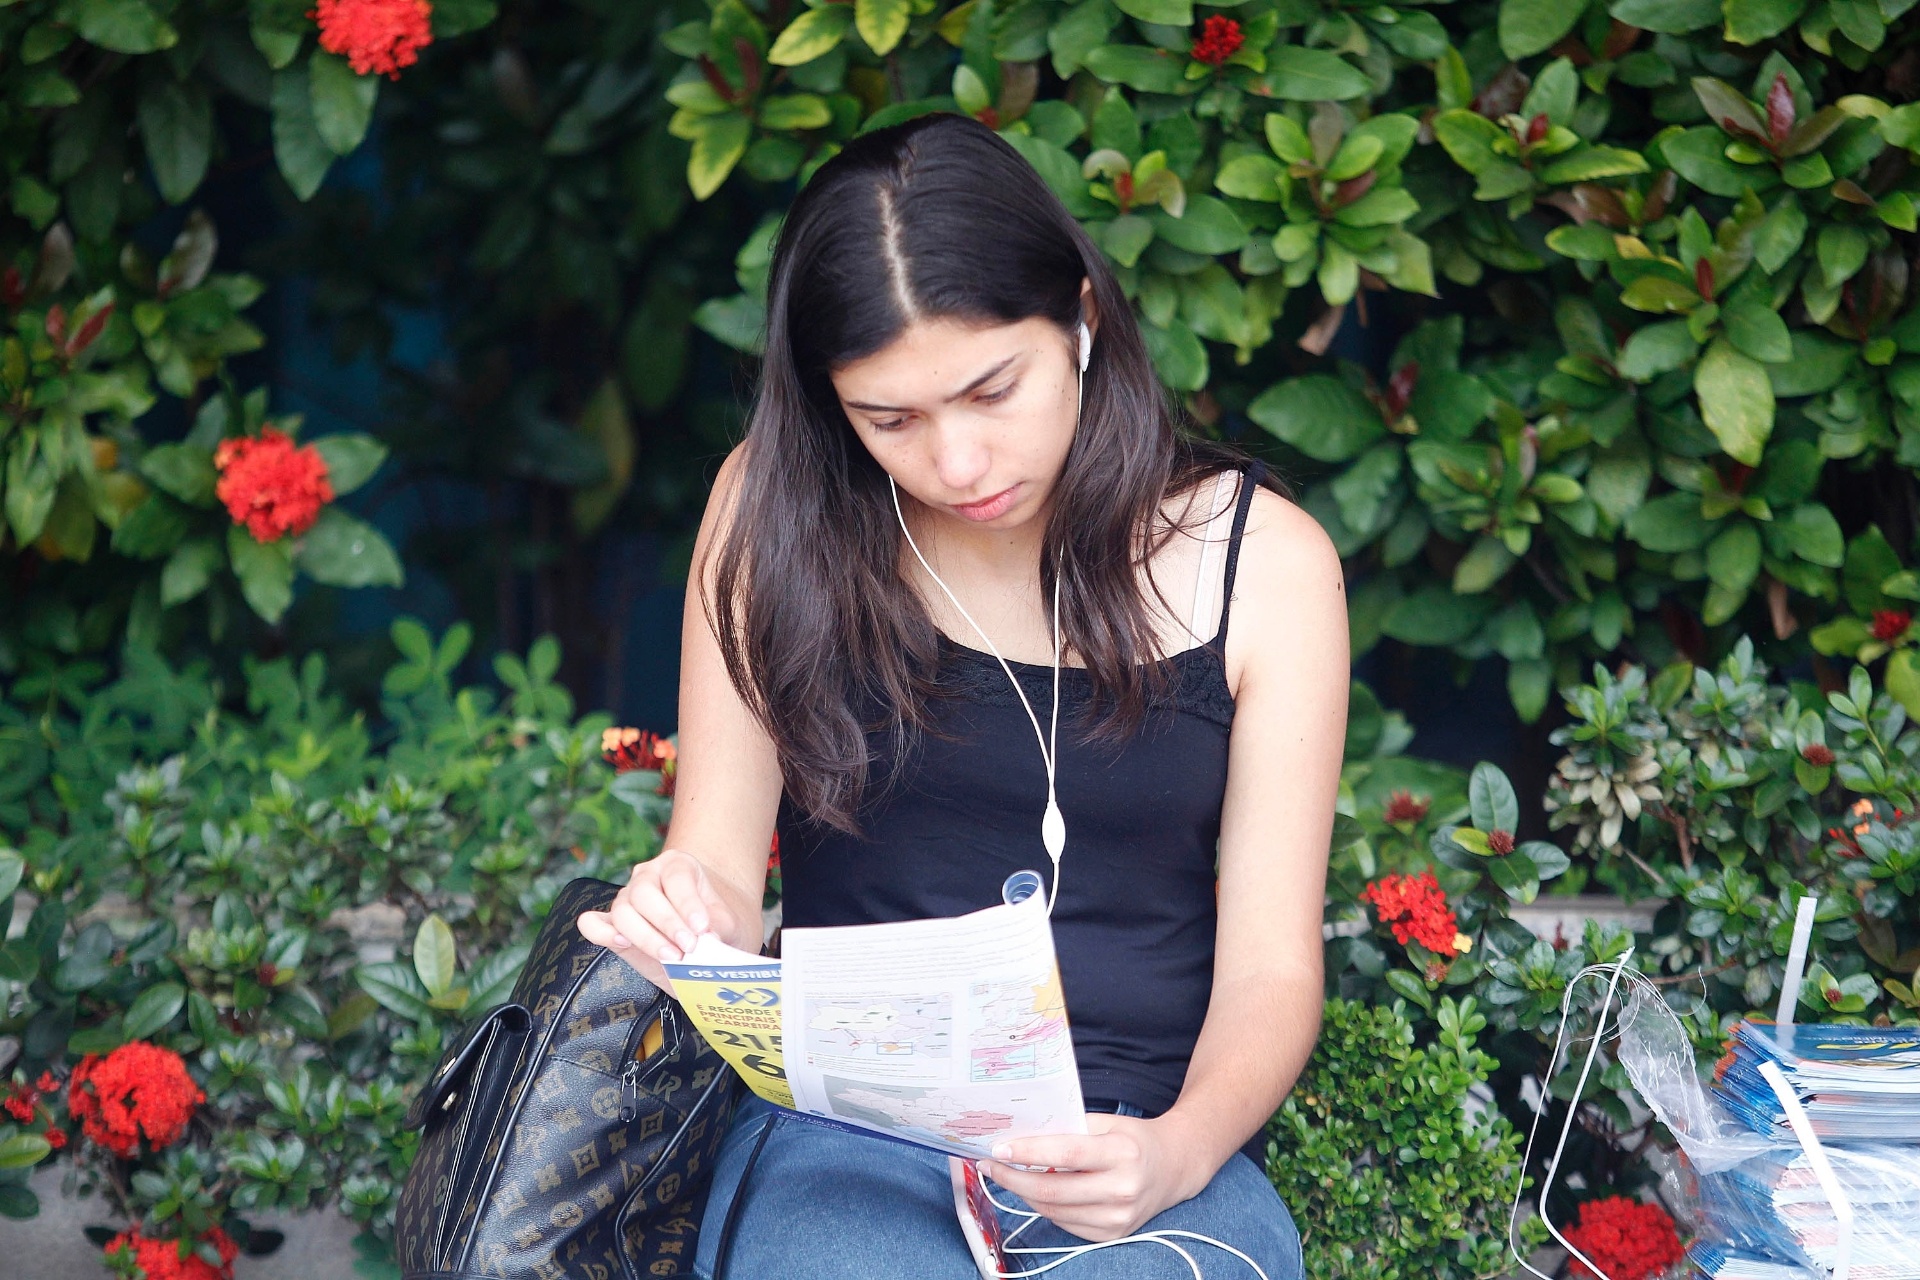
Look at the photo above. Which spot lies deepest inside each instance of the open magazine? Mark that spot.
(948, 1033)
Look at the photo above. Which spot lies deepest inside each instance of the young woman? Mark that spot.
(923, 345)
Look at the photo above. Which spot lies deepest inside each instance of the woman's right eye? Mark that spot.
(893, 425)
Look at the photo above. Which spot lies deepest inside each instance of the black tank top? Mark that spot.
(1134, 923)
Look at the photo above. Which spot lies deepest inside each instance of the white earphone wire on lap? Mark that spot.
(1053, 834)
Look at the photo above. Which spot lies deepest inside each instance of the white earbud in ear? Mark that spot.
(1086, 346)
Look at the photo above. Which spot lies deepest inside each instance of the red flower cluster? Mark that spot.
(1817, 753)
(377, 36)
(773, 856)
(24, 1104)
(270, 485)
(138, 1090)
(1417, 909)
(161, 1259)
(1628, 1239)
(1890, 624)
(1219, 39)
(1404, 806)
(630, 750)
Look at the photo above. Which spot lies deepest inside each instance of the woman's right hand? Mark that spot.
(668, 902)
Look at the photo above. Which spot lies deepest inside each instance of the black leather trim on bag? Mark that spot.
(559, 1140)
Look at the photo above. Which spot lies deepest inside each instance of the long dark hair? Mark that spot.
(938, 217)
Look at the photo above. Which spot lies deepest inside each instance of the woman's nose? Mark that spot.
(960, 459)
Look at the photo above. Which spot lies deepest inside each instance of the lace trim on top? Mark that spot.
(1196, 682)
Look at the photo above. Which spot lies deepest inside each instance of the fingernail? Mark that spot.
(685, 939)
(699, 923)
(670, 955)
(620, 941)
(1003, 1152)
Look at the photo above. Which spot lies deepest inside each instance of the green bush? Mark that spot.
(1670, 244)
(234, 885)
(1389, 1167)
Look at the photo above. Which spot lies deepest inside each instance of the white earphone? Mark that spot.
(1053, 824)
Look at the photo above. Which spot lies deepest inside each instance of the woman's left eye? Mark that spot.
(997, 396)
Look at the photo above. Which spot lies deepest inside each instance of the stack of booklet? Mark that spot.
(1857, 1084)
(1772, 1216)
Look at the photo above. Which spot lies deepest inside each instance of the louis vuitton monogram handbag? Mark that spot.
(570, 1133)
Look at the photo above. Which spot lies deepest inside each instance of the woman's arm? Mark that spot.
(713, 870)
(1287, 659)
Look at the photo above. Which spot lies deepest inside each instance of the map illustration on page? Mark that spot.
(947, 1033)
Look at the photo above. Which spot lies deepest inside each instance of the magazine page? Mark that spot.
(951, 1032)
(947, 1033)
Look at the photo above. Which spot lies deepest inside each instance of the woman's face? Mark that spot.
(972, 421)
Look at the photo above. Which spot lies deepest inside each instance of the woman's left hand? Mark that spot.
(1104, 1184)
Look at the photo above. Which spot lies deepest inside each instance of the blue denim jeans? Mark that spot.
(826, 1205)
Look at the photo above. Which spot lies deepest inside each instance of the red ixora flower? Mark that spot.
(56, 1138)
(1417, 909)
(1219, 39)
(139, 1090)
(271, 485)
(161, 1259)
(1628, 1239)
(1890, 624)
(1404, 806)
(629, 750)
(377, 36)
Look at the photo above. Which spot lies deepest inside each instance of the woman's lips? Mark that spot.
(990, 508)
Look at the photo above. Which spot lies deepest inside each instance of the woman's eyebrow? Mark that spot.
(967, 390)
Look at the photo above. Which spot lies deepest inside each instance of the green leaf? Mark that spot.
(1699, 156)
(1528, 27)
(1148, 70)
(1177, 354)
(1820, 361)
(721, 142)
(22, 1150)
(1469, 138)
(1751, 21)
(1779, 234)
(351, 457)
(1591, 163)
(1208, 225)
(1757, 330)
(1485, 563)
(13, 869)
(1171, 13)
(1903, 680)
(1491, 799)
(1124, 238)
(1250, 177)
(1288, 140)
(265, 571)
(1658, 294)
(302, 155)
(124, 26)
(1517, 875)
(1736, 400)
(1669, 17)
(342, 101)
(398, 988)
(1314, 75)
(795, 111)
(176, 127)
(345, 551)
(1435, 616)
(188, 570)
(1319, 415)
(1733, 557)
(182, 470)
(1382, 206)
(434, 957)
(881, 23)
(153, 1010)
(813, 33)
(1842, 251)
(1657, 349)
(1410, 986)
(1670, 523)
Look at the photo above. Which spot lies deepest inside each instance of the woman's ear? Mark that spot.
(1089, 308)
